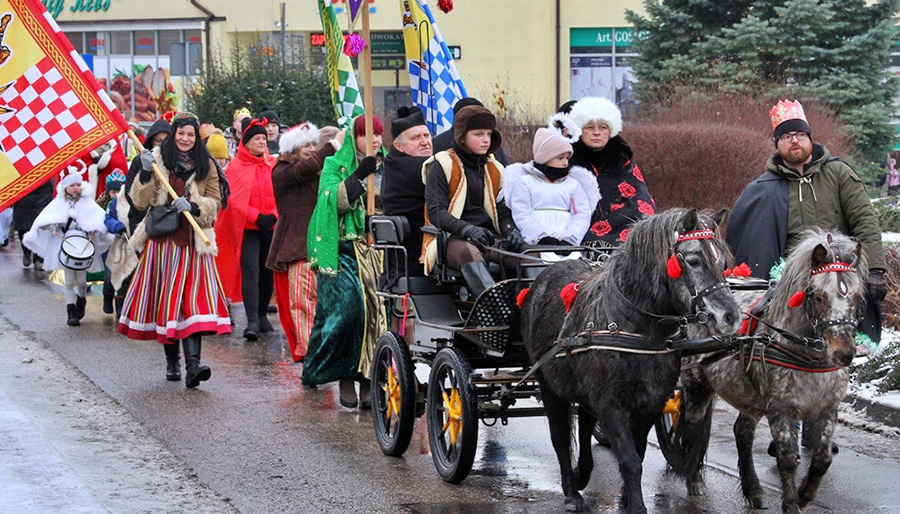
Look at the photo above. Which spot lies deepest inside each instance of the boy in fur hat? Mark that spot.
(72, 213)
(469, 209)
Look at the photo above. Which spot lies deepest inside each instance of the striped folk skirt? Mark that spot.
(295, 293)
(175, 293)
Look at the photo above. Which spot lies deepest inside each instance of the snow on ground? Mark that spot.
(890, 237)
(869, 390)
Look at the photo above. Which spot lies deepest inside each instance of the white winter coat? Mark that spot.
(541, 208)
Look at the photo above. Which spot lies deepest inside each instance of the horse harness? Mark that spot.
(613, 339)
(809, 353)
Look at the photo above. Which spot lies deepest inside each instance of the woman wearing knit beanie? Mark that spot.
(218, 148)
(551, 200)
(625, 198)
(244, 229)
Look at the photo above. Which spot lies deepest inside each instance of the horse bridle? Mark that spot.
(838, 267)
(700, 314)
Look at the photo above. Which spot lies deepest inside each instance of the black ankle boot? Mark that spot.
(120, 301)
(265, 326)
(195, 373)
(173, 362)
(73, 317)
(80, 303)
(347, 390)
(108, 303)
(251, 333)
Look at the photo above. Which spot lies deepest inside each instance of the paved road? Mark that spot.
(89, 424)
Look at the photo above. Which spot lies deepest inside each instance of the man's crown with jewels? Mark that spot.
(786, 110)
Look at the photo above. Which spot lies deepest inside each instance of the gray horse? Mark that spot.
(669, 272)
(796, 370)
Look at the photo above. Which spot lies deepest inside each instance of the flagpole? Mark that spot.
(165, 182)
(367, 101)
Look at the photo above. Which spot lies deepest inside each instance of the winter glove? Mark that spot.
(118, 228)
(266, 221)
(478, 235)
(365, 168)
(513, 241)
(877, 285)
(147, 160)
(181, 204)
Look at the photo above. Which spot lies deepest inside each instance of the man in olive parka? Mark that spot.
(804, 187)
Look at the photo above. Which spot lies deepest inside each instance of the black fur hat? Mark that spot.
(407, 118)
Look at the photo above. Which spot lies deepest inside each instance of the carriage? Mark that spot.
(480, 371)
(658, 297)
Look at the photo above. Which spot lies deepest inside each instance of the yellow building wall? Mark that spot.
(505, 44)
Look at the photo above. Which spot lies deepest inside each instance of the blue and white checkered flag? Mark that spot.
(433, 77)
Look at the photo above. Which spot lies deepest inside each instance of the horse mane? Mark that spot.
(638, 267)
(795, 277)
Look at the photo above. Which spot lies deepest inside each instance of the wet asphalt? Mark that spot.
(262, 443)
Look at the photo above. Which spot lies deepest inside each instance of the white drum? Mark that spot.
(76, 253)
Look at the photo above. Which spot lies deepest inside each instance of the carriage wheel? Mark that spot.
(393, 394)
(666, 425)
(452, 414)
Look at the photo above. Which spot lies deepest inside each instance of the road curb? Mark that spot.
(877, 411)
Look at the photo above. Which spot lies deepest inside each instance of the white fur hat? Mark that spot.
(73, 177)
(594, 108)
(298, 136)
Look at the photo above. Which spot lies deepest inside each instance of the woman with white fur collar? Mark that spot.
(72, 213)
(175, 293)
(600, 149)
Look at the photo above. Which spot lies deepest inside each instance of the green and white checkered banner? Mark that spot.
(345, 95)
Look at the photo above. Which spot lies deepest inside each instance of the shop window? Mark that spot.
(600, 65)
(77, 40)
(96, 43)
(166, 37)
(145, 42)
(120, 43)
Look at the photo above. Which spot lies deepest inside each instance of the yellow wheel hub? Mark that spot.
(392, 394)
(453, 414)
(673, 408)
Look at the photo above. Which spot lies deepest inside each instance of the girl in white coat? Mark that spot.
(551, 201)
(72, 213)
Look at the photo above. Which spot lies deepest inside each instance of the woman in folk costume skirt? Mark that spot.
(176, 293)
(72, 213)
(349, 315)
(296, 181)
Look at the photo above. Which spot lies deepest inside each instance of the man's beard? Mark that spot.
(792, 158)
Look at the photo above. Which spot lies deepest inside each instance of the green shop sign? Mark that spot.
(600, 40)
(54, 7)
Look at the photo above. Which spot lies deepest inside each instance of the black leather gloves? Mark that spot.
(478, 235)
(877, 285)
(266, 221)
(365, 168)
(513, 241)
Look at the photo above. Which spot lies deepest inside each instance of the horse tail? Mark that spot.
(684, 445)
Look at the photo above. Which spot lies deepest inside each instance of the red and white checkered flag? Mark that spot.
(52, 109)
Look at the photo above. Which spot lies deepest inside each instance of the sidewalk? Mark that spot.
(66, 446)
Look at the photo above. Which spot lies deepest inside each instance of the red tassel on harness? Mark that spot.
(741, 270)
(673, 267)
(568, 295)
(520, 298)
(796, 299)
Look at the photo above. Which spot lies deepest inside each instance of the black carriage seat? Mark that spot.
(388, 234)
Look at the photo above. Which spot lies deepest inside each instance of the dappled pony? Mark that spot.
(669, 272)
(797, 372)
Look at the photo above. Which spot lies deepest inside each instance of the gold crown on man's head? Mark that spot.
(786, 110)
(242, 110)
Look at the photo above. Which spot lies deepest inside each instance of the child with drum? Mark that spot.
(70, 234)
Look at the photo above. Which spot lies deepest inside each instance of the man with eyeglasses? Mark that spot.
(804, 187)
